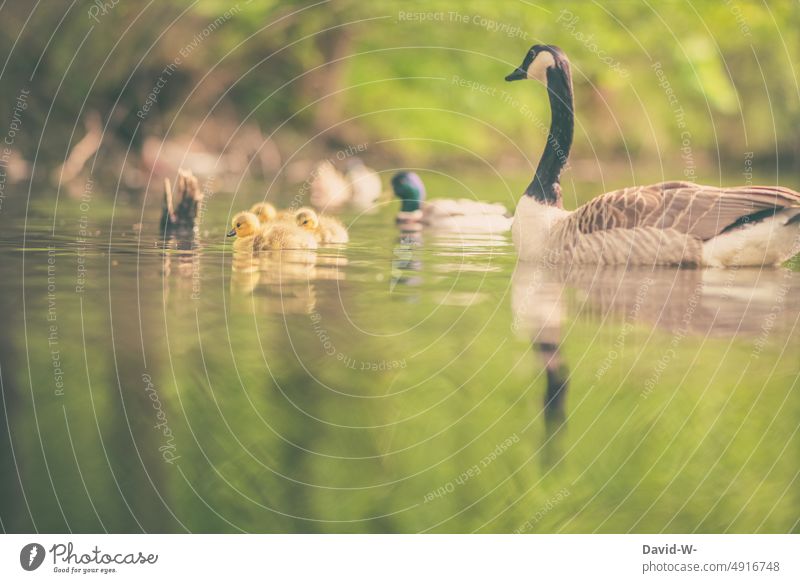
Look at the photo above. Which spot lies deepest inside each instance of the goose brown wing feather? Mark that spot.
(699, 211)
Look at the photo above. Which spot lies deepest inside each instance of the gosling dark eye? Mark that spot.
(238, 225)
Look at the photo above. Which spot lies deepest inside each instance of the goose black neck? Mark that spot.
(545, 186)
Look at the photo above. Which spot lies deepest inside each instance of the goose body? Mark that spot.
(447, 214)
(669, 223)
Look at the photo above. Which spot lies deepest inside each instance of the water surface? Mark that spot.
(406, 383)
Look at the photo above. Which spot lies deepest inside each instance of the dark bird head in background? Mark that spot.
(409, 188)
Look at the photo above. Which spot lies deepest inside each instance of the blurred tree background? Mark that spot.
(671, 85)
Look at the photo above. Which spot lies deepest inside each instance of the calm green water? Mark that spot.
(404, 384)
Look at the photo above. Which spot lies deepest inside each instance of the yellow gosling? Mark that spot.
(282, 236)
(325, 229)
(248, 232)
(265, 212)
(285, 215)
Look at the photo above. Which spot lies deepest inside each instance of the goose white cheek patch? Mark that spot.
(538, 67)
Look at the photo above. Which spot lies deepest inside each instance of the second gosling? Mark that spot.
(265, 212)
(325, 229)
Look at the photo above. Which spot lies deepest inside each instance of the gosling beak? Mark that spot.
(519, 73)
(232, 233)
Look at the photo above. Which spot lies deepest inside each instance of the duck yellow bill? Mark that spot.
(232, 233)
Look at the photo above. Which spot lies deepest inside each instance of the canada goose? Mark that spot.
(324, 229)
(446, 214)
(668, 223)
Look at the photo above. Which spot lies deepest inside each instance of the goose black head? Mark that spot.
(538, 60)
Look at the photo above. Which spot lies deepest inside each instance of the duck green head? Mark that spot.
(409, 188)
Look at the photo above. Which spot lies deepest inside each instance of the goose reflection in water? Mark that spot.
(745, 303)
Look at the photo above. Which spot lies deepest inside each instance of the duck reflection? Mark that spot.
(732, 303)
(406, 263)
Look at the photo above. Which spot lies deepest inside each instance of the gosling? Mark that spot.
(325, 229)
(265, 212)
(251, 235)
(282, 236)
(248, 232)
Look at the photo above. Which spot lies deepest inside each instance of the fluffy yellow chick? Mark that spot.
(264, 211)
(285, 215)
(325, 229)
(287, 236)
(248, 232)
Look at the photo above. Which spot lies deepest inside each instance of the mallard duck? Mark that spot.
(328, 186)
(324, 228)
(669, 223)
(446, 214)
(364, 184)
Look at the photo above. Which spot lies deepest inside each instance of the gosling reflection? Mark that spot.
(284, 281)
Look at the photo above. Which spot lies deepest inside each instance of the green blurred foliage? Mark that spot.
(352, 71)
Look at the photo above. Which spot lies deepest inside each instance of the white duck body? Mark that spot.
(668, 223)
(446, 214)
(463, 215)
